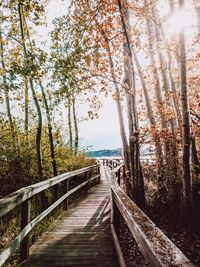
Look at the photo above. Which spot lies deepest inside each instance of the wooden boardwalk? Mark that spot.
(81, 236)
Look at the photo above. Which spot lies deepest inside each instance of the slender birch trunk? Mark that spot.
(39, 113)
(76, 132)
(158, 145)
(26, 101)
(137, 176)
(118, 102)
(49, 123)
(70, 124)
(157, 88)
(7, 99)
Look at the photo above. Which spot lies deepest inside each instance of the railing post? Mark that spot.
(98, 172)
(67, 189)
(118, 176)
(56, 191)
(124, 171)
(25, 219)
(87, 173)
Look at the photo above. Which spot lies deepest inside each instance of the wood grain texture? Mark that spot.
(15, 199)
(81, 236)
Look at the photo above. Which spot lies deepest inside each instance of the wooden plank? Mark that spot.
(81, 236)
(69, 262)
(16, 242)
(121, 259)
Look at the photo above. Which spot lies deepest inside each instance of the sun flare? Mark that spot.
(184, 19)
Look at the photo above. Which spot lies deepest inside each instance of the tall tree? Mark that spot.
(76, 132)
(137, 175)
(187, 181)
(117, 100)
(28, 62)
(6, 93)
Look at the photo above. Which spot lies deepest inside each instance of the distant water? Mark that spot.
(142, 158)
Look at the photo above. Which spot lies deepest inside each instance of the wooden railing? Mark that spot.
(114, 162)
(23, 198)
(110, 162)
(155, 246)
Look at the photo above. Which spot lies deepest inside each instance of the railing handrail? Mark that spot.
(156, 247)
(23, 196)
(16, 198)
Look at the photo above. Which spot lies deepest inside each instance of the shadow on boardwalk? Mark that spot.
(81, 237)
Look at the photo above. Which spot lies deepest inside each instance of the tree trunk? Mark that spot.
(7, 99)
(26, 101)
(158, 145)
(195, 159)
(137, 175)
(187, 181)
(197, 9)
(158, 91)
(171, 5)
(172, 83)
(118, 102)
(165, 72)
(120, 114)
(70, 124)
(39, 127)
(76, 138)
(49, 123)
(174, 90)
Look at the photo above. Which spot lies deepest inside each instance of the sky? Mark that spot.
(96, 134)
(102, 133)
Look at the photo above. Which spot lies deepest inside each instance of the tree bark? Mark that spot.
(165, 72)
(158, 91)
(26, 101)
(117, 101)
(76, 132)
(187, 181)
(195, 159)
(158, 145)
(49, 123)
(39, 126)
(197, 9)
(120, 113)
(69, 124)
(137, 175)
(7, 99)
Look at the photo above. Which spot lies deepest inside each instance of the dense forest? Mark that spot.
(144, 53)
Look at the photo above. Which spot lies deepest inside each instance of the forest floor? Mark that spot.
(187, 239)
(131, 252)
